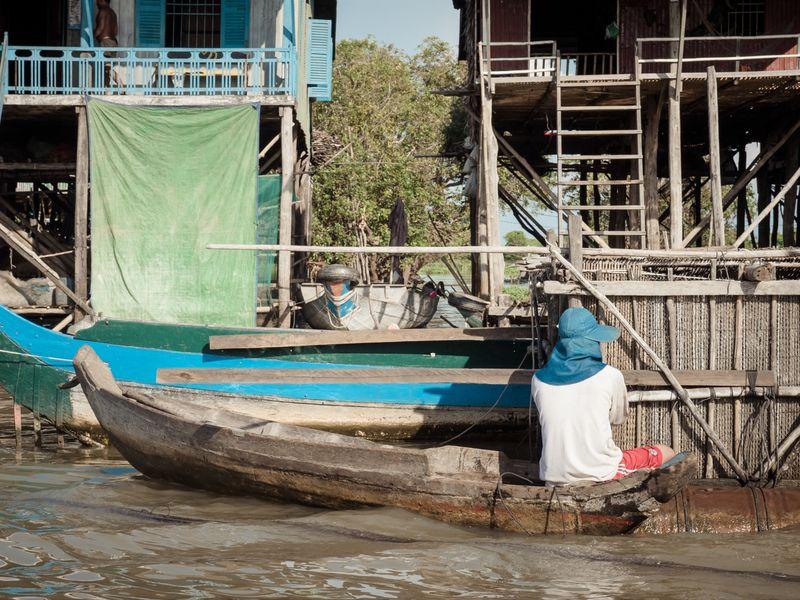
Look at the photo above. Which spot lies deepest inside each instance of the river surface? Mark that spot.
(84, 524)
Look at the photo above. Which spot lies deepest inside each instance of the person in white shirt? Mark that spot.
(578, 398)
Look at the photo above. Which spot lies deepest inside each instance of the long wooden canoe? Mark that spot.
(213, 448)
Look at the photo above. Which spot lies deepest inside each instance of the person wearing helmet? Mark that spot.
(578, 398)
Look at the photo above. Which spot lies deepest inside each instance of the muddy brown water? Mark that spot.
(83, 524)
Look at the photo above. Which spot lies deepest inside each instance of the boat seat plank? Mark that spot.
(338, 338)
(637, 378)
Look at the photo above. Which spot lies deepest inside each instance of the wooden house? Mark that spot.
(276, 53)
(635, 108)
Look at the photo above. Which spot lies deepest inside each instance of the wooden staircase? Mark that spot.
(626, 106)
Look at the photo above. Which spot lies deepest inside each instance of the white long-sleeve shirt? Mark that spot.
(576, 424)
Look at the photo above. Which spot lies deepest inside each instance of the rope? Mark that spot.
(489, 410)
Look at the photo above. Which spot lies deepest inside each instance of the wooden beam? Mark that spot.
(762, 159)
(340, 338)
(81, 213)
(652, 120)
(719, 287)
(715, 172)
(636, 378)
(677, 27)
(575, 251)
(288, 151)
(768, 208)
(24, 249)
(790, 202)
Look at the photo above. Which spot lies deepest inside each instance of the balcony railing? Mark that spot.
(725, 53)
(151, 71)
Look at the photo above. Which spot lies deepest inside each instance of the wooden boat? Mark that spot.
(211, 447)
(34, 361)
(377, 306)
(337, 301)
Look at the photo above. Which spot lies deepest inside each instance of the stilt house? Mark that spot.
(637, 106)
(272, 54)
(648, 128)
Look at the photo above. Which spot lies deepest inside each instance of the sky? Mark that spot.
(405, 23)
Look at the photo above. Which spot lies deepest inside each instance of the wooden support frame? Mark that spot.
(652, 118)
(288, 159)
(677, 11)
(24, 249)
(739, 187)
(82, 213)
(768, 209)
(715, 171)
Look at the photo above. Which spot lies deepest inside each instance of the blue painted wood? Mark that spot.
(152, 71)
(234, 23)
(319, 61)
(150, 23)
(140, 365)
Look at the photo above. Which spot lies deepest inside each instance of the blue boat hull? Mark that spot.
(35, 359)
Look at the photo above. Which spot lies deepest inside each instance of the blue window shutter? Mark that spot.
(235, 23)
(150, 23)
(319, 59)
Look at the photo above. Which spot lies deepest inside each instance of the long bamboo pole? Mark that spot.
(668, 374)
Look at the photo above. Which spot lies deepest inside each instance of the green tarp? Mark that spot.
(164, 183)
(269, 201)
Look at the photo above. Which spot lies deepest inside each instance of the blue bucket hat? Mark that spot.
(579, 322)
(576, 356)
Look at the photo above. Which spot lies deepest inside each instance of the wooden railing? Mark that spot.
(519, 59)
(151, 71)
(724, 53)
(588, 63)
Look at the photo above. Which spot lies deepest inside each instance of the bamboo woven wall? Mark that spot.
(764, 421)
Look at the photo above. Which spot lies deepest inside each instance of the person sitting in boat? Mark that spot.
(578, 398)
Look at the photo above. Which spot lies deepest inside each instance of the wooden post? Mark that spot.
(764, 190)
(738, 336)
(81, 213)
(288, 152)
(488, 197)
(596, 196)
(652, 118)
(18, 425)
(715, 173)
(575, 250)
(741, 200)
(790, 201)
(712, 365)
(677, 25)
(583, 174)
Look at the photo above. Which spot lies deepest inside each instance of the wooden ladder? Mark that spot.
(634, 184)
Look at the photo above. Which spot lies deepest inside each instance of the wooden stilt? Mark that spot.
(288, 153)
(740, 186)
(672, 322)
(652, 118)
(37, 430)
(790, 200)
(738, 336)
(764, 212)
(677, 27)
(82, 213)
(575, 250)
(711, 416)
(596, 197)
(773, 365)
(715, 172)
(764, 190)
(18, 425)
(741, 201)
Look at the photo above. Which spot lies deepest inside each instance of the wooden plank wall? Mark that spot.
(650, 18)
(769, 341)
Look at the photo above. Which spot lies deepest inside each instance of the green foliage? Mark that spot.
(384, 114)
